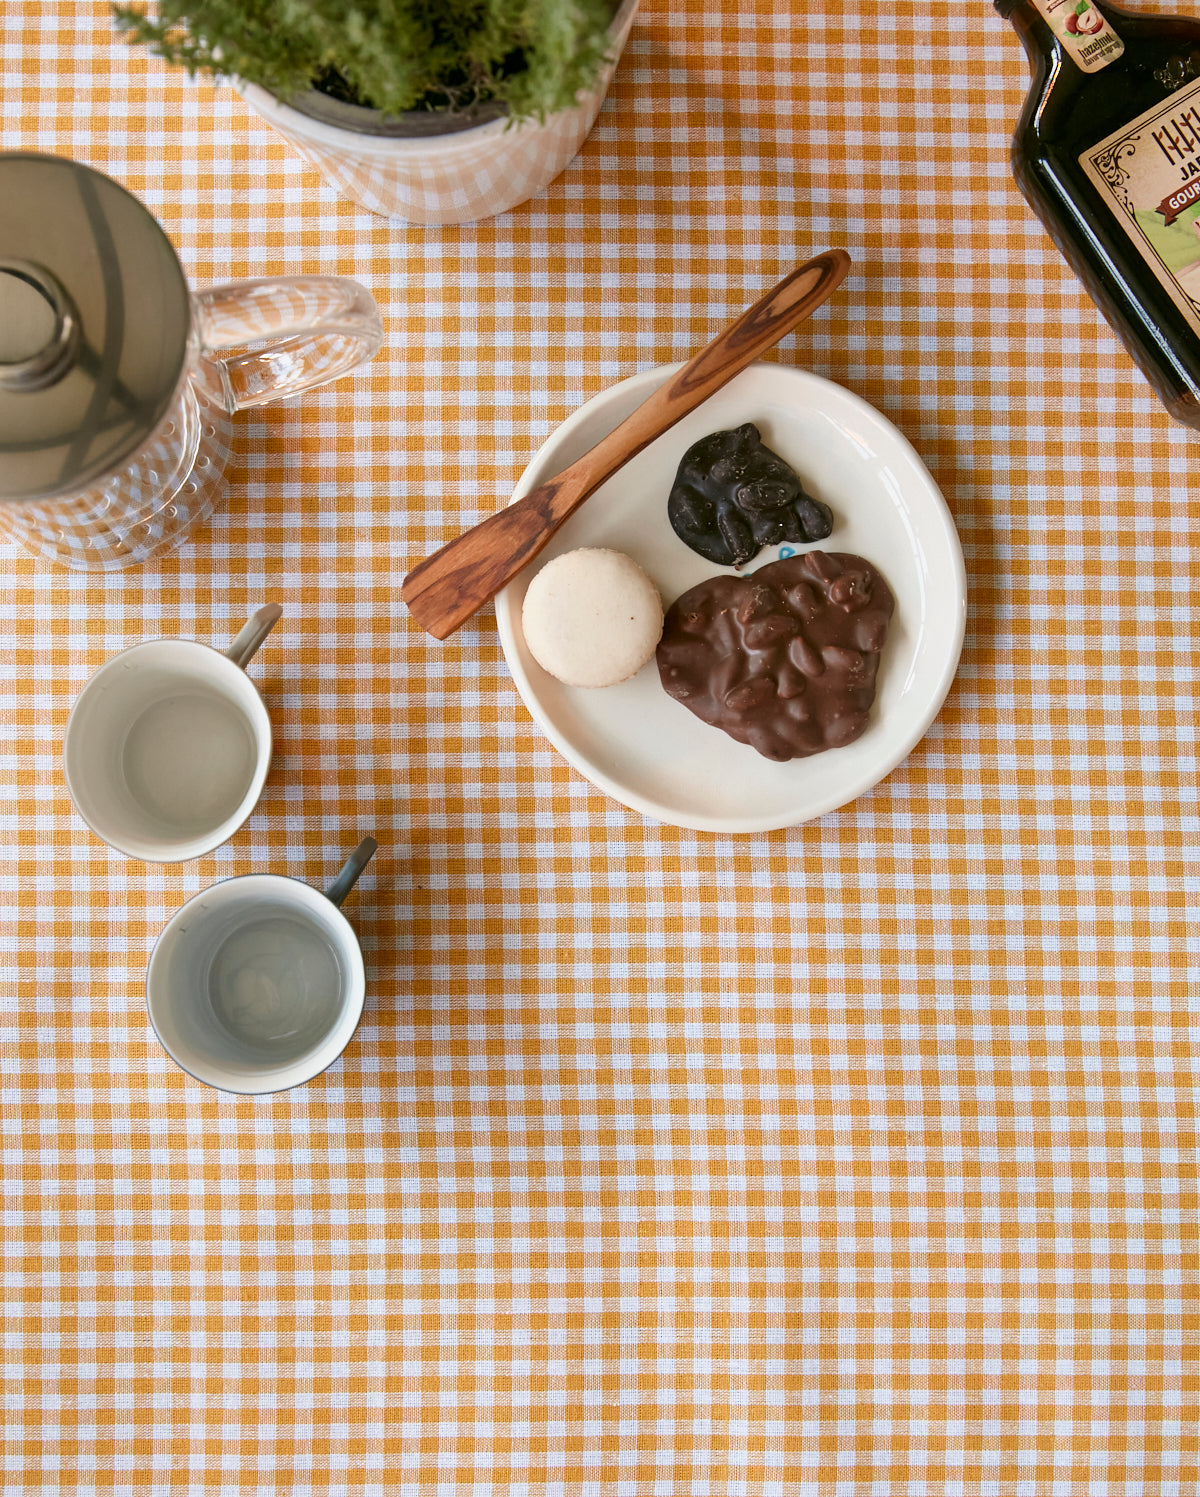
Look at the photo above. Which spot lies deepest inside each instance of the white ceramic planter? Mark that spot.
(445, 179)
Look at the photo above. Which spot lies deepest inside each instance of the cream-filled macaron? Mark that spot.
(592, 617)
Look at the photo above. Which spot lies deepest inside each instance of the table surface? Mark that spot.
(855, 1157)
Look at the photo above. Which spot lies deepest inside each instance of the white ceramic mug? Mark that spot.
(257, 984)
(168, 745)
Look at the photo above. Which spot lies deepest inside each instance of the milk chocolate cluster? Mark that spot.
(784, 660)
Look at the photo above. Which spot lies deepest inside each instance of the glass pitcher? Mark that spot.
(117, 384)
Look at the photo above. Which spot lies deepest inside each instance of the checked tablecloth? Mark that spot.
(853, 1158)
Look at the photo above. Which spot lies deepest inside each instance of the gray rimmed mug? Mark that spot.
(168, 745)
(257, 984)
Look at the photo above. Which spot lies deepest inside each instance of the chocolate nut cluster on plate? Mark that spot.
(783, 660)
(732, 496)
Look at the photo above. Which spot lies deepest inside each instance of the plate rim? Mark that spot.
(837, 797)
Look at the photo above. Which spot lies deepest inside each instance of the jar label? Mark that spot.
(1148, 172)
(1088, 39)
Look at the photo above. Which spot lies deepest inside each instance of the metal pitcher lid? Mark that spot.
(94, 324)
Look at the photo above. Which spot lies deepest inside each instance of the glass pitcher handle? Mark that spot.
(305, 331)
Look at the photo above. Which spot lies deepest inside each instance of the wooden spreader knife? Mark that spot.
(445, 589)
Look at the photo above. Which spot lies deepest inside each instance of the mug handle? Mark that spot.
(252, 633)
(308, 329)
(350, 870)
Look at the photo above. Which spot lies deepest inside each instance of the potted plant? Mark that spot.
(437, 114)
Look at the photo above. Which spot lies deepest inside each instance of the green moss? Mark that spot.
(532, 55)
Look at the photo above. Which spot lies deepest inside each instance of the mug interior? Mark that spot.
(256, 984)
(166, 750)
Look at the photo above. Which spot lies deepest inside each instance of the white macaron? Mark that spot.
(592, 617)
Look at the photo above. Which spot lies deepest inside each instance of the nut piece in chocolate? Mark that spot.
(732, 496)
(784, 660)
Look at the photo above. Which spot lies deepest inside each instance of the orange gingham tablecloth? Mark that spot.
(854, 1158)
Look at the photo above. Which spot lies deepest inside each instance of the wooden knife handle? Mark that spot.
(445, 589)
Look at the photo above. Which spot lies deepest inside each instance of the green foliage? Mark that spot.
(533, 55)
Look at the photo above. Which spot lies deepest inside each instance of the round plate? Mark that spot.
(648, 751)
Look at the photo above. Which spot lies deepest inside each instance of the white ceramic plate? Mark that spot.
(650, 753)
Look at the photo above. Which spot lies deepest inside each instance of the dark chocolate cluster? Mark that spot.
(785, 659)
(732, 496)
